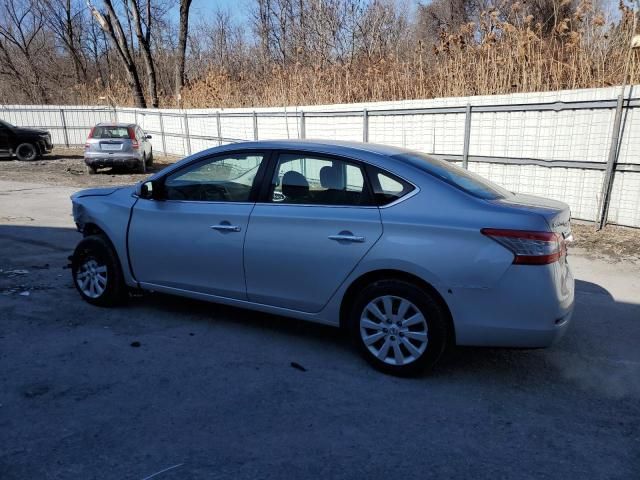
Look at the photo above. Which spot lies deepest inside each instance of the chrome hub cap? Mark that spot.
(394, 330)
(92, 278)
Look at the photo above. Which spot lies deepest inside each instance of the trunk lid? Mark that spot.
(557, 214)
(112, 145)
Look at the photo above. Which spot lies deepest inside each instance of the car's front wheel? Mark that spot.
(398, 327)
(96, 272)
(26, 152)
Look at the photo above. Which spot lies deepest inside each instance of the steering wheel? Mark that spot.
(204, 190)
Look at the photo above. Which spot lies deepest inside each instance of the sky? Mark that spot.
(239, 9)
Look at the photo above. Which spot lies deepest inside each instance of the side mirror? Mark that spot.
(149, 190)
(148, 137)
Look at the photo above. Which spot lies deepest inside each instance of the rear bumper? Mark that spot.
(531, 306)
(104, 159)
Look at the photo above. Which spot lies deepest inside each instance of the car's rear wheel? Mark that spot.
(91, 170)
(96, 272)
(398, 327)
(142, 166)
(26, 152)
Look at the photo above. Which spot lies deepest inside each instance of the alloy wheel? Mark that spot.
(92, 278)
(394, 330)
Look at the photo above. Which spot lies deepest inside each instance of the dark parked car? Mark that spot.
(25, 143)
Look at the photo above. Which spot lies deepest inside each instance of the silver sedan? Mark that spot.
(408, 253)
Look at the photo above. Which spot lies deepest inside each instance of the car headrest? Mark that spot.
(330, 178)
(294, 185)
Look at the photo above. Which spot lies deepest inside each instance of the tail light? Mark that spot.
(529, 248)
(86, 145)
(134, 140)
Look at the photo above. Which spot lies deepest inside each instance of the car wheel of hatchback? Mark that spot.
(398, 327)
(26, 152)
(142, 166)
(96, 272)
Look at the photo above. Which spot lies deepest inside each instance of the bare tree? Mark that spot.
(185, 5)
(110, 24)
(143, 35)
(64, 18)
(22, 41)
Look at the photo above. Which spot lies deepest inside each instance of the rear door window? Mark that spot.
(312, 179)
(104, 132)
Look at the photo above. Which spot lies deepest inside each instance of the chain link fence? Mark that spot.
(581, 147)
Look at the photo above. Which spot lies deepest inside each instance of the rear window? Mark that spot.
(458, 177)
(110, 132)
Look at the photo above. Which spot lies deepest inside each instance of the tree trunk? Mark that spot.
(182, 49)
(144, 40)
(111, 26)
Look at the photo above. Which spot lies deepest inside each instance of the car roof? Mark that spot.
(323, 145)
(115, 124)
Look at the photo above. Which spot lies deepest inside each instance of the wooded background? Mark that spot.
(146, 53)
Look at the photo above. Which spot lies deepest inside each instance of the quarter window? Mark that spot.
(301, 179)
(221, 179)
(387, 187)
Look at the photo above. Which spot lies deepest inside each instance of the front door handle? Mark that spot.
(225, 227)
(342, 237)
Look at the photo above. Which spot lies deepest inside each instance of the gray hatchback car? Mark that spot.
(118, 144)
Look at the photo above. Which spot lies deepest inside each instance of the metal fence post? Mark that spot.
(135, 115)
(255, 125)
(164, 143)
(219, 127)
(607, 183)
(303, 125)
(186, 131)
(64, 128)
(467, 137)
(365, 125)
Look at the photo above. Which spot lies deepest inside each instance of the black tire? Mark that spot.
(97, 248)
(142, 166)
(422, 301)
(150, 159)
(91, 170)
(27, 152)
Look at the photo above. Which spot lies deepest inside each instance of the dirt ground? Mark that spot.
(64, 167)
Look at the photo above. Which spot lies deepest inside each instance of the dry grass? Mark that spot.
(612, 243)
(505, 52)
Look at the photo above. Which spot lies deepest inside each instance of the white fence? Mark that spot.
(578, 146)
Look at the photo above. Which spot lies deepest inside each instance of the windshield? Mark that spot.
(458, 177)
(6, 124)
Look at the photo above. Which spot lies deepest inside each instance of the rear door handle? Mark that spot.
(346, 238)
(226, 228)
